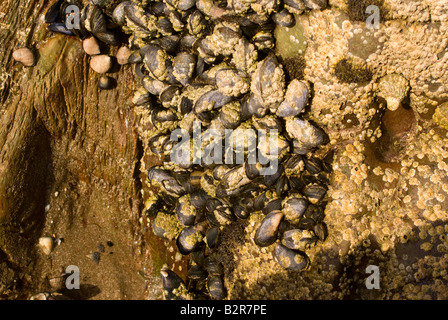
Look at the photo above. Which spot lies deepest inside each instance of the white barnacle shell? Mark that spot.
(25, 56)
(394, 88)
(101, 63)
(46, 245)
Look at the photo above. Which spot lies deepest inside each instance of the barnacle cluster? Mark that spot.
(207, 74)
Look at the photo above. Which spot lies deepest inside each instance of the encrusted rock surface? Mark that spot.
(71, 158)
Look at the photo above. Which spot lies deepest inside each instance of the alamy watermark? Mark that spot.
(373, 21)
(373, 281)
(73, 17)
(73, 280)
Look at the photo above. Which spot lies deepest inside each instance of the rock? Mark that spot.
(123, 55)
(46, 245)
(25, 56)
(91, 46)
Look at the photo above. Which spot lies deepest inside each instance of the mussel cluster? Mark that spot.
(210, 64)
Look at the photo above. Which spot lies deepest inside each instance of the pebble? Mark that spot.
(91, 46)
(123, 55)
(25, 56)
(101, 63)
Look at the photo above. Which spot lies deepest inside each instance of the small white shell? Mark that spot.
(101, 63)
(123, 55)
(57, 283)
(40, 296)
(25, 56)
(394, 88)
(91, 46)
(46, 245)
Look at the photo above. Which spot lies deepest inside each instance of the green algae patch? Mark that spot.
(291, 42)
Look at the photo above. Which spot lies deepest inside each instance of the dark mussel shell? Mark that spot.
(267, 232)
(293, 260)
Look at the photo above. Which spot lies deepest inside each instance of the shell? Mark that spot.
(106, 83)
(196, 272)
(229, 115)
(189, 239)
(212, 237)
(91, 46)
(314, 192)
(268, 82)
(46, 245)
(197, 24)
(264, 40)
(284, 18)
(185, 211)
(157, 61)
(294, 208)
(213, 267)
(297, 239)
(173, 285)
(184, 65)
(101, 63)
(321, 231)
(25, 56)
(296, 98)
(233, 182)
(166, 226)
(231, 82)
(305, 135)
(153, 86)
(141, 97)
(394, 88)
(215, 286)
(290, 259)
(266, 233)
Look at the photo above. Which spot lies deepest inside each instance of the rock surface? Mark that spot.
(73, 158)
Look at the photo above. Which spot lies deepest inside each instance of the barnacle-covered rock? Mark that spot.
(204, 69)
(440, 116)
